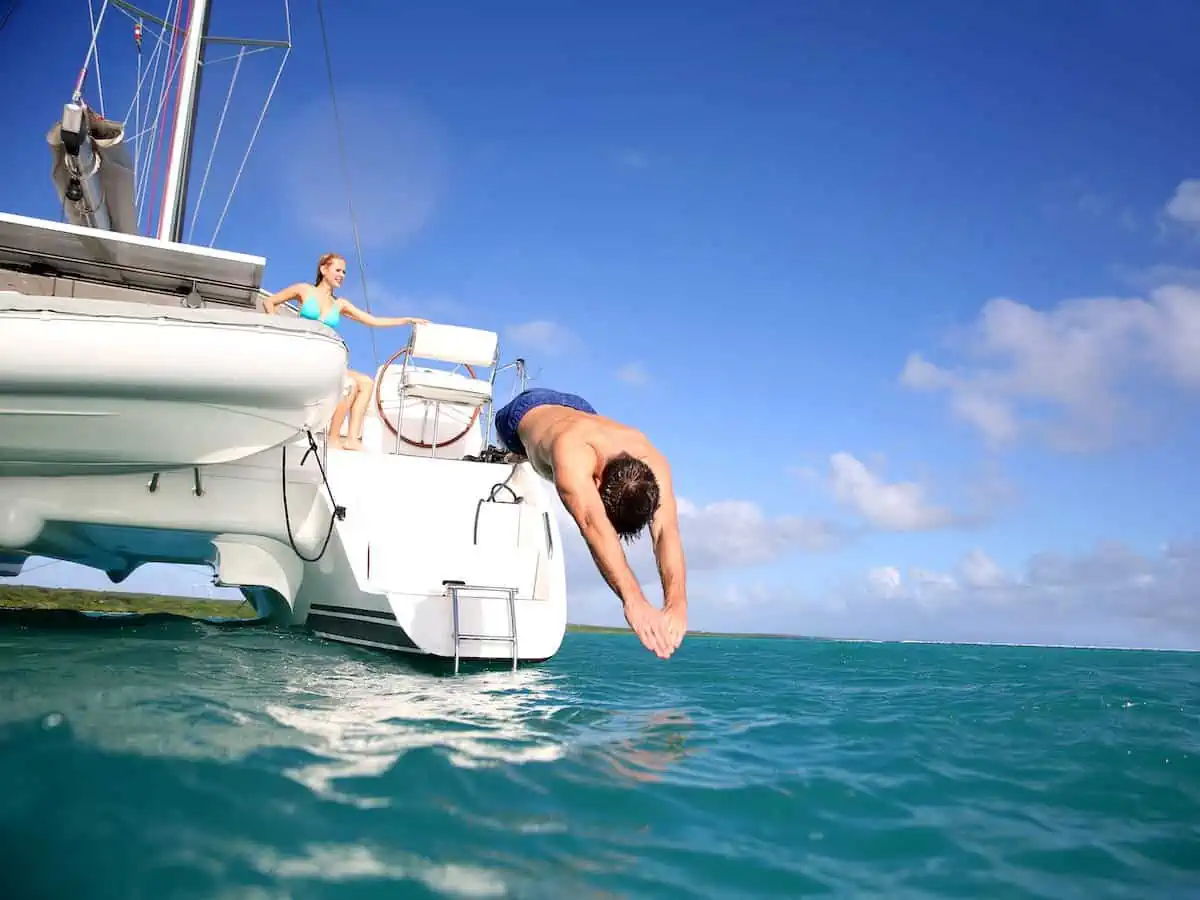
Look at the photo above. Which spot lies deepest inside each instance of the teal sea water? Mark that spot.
(182, 760)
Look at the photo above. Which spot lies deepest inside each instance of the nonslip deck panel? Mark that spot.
(129, 260)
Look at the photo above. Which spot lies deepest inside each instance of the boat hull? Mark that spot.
(91, 386)
(374, 578)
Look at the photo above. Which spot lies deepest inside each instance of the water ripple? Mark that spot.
(186, 760)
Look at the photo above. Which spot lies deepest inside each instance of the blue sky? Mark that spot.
(907, 292)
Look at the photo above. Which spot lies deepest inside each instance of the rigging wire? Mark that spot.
(247, 51)
(258, 125)
(137, 99)
(346, 173)
(77, 95)
(147, 69)
(170, 70)
(4, 19)
(95, 34)
(213, 150)
(157, 164)
(151, 130)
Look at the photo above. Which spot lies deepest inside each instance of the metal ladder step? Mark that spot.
(511, 638)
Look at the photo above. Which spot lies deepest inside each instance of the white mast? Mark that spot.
(170, 226)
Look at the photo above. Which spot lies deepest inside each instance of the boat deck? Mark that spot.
(38, 256)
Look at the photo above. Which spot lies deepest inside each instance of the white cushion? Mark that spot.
(453, 343)
(447, 387)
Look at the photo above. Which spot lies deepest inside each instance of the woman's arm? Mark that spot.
(291, 292)
(379, 321)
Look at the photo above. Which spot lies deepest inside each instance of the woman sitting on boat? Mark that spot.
(317, 301)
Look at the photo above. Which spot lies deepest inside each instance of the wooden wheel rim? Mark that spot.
(383, 418)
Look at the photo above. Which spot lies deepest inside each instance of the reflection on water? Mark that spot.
(189, 760)
(660, 743)
(334, 713)
(362, 718)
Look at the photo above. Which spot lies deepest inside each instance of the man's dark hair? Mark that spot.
(629, 491)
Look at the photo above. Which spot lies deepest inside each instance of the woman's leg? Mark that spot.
(339, 415)
(358, 410)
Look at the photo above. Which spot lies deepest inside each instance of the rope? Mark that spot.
(4, 19)
(149, 69)
(170, 70)
(258, 125)
(158, 158)
(151, 131)
(156, 141)
(346, 173)
(137, 115)
(144, 68)
(137, 93)
(25, 570)
(244, 51)
(213, 150)
(95, 35)
(87, 60)
(339, 512)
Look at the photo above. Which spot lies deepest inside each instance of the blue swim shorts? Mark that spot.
(509, 416)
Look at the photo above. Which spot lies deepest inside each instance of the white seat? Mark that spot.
(473, 347)
(453, 344)
(445, 387)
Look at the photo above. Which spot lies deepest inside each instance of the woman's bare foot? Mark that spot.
(352, 444)
(334, 441)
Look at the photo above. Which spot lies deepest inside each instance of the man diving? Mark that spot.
(613, 482)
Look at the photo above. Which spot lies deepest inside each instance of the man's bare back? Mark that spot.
(613, 482)
(547, 431)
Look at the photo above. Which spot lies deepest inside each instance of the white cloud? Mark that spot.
(719, 539)
(1111, 595)
(728, 534)
(737, 533)
(396, 168)
(543, 336)
(899, 506)
(1150, 277)
(1184, 206)
(1062, 374)
(633, 373)
(632, 159)
(387, 302)
(885, 580)
(978, 570)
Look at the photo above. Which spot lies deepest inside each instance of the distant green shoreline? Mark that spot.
(19, 598)
(23, 597)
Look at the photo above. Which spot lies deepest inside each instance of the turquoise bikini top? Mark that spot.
(311, 309)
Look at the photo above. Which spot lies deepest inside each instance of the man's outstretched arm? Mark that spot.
(668, 553)
(573, 479)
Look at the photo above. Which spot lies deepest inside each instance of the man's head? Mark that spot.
(629, 491)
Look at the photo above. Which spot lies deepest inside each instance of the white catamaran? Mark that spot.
(151, 411)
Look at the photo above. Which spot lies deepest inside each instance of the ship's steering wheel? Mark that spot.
(383, 418)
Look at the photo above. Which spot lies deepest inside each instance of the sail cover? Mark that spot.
(92, 170)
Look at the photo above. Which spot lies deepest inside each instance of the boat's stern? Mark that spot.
(451, 558)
